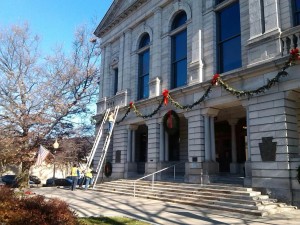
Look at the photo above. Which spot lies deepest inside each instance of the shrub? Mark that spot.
(35, 210)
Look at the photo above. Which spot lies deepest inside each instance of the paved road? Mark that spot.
(92, 203)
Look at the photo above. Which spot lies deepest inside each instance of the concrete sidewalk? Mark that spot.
(92, 203)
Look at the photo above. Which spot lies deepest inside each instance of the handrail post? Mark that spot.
(152, 181)
(174, 172)
(134, 189)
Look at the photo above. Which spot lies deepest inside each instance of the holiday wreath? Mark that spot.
(171, 122)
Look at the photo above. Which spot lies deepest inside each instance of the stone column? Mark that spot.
(210, 166)
(156, 45)
(106, 77)
(212, 139)
(125, 76)
(207, 138)
(130, 166)
(121, 60)
(166, 146)
(102, 74)
(134, 128)
(161, 143)
(233, 165)
(248, 163)
(129, 145)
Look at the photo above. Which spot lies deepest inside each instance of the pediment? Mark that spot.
(118, 11)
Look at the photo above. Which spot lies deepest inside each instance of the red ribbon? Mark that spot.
(166, 96)
(130, 105)
(215, 79)
(169, 120)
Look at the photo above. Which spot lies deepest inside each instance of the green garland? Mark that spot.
(294, 55)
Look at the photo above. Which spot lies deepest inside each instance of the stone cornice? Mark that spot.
(108, 23)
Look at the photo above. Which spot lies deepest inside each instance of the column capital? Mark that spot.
(233, 122)
(132, 127)
(210, 112)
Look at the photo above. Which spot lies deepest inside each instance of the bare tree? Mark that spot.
(41, 96)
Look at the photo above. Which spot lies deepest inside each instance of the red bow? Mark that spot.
(295, 53)
(215, 79)
(166, 96)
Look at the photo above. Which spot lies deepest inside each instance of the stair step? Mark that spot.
(216, 196)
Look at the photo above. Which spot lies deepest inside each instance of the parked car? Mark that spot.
(34, 180)
(59, 182)
(11, 180)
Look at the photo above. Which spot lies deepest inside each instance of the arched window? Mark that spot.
(179, 52)
(144, 62)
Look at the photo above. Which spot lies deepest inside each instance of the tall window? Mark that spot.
(296, 7)
(116, 74)
(144, 62)
(179, 52)
(229, 38)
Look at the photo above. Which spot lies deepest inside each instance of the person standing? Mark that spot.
(75, 175)
(88, 178)
(111, 118)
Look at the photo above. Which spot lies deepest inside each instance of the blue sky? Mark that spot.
(54, 21)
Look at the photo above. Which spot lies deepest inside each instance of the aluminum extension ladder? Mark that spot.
(105, 147)
(97, 140)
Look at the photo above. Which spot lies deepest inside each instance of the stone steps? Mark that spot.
(215, 196)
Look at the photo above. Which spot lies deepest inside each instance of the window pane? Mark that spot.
(230, 54)
(297, 19)
(180, 46)
(143, 85)
(144, 41)
(116, 81)
(145, 63)
(146, 86)
(180, 73)
(179, 20)
(229, 19)
(297, 5)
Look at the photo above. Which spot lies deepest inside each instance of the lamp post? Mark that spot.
(55, 146)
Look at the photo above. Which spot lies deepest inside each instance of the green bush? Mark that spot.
(34, 210)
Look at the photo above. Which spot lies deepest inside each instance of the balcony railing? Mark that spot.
(120, 99)
(290, 39)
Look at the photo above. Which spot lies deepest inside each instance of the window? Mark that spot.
(296, 8)
(144, 62)
(116, 74)
(179, 52)
(229, 38)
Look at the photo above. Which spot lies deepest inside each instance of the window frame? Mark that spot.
(116, 80)
(143, 49)
(220, 43)
(175, 32)
(296, 21)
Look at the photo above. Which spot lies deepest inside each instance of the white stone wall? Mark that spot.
(273, 114)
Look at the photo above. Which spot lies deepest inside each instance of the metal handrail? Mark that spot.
(152, 174)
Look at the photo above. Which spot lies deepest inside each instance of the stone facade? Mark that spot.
(223, 134)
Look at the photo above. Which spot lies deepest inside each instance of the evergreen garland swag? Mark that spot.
(217, 80)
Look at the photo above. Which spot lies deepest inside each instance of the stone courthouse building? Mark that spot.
(243, 122)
